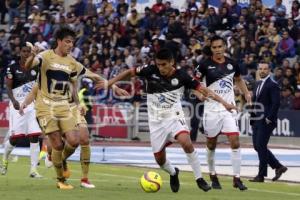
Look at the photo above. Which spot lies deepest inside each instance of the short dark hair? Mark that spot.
(63, 32)
(23, 44)
(164, 54)
(264, 63)
(216, 37)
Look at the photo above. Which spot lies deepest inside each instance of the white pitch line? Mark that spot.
(274, 192)
(185, 183)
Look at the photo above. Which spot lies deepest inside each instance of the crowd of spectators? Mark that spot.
(111, 38)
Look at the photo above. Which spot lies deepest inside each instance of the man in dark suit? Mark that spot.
(266, 98)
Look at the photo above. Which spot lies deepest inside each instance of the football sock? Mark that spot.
(168, 167)
(56, 157)
(68, 151)
(34, 155)
(85, 155)
(194, 161)
(7, 150)
(210, 156)
(236, 162)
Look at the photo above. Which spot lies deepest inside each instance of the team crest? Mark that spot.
(33, 72)
(229, 67)
(9, 76)
(139, 69)
(174, 81)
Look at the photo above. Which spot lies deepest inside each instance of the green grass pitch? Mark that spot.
(115, 182)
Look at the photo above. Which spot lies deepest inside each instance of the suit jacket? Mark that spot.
(269, 97)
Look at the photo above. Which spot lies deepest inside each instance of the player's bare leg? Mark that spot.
(85, 156)
(193, 159)
(166, 165)
(9, 145)
(236, 161)
(211, 144)
(56, 155)
(48, 159)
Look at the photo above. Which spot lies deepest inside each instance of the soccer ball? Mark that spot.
(151, 181)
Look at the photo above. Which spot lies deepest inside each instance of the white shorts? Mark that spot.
(163, 133)
(222, 122)
(25, 125)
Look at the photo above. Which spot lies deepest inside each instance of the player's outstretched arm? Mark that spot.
(212, 95)
(121, 76)
(102, 81)
(29, 98)
(95, 77)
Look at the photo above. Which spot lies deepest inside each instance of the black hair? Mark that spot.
(206, 51)
(216, 37)
(265, 63)
(164, 54)
(64, 32)
(23, 44)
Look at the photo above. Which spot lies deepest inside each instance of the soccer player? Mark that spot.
(165, 86)
(219, 72)
(57, 72)
(85, 152)
(19, 83)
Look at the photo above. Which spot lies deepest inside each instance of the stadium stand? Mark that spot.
(112, 37)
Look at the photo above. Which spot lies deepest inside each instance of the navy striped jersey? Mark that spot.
(219, 78)
(164, 93)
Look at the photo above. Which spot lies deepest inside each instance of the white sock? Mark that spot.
(236, 162)
(34, 155)
(7, 150)
(194, 161)
(168, 167)
(210, 156)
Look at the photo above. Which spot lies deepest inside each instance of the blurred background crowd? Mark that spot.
(114, 37)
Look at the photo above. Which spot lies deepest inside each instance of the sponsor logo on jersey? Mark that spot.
(19, 72)
(26, 88)
(174, 81)
(9, 76)
(211, 67)
(229, 66)
(60, 66)
(161, 98)
(224, 84)
(225, 87)
(222, 91)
